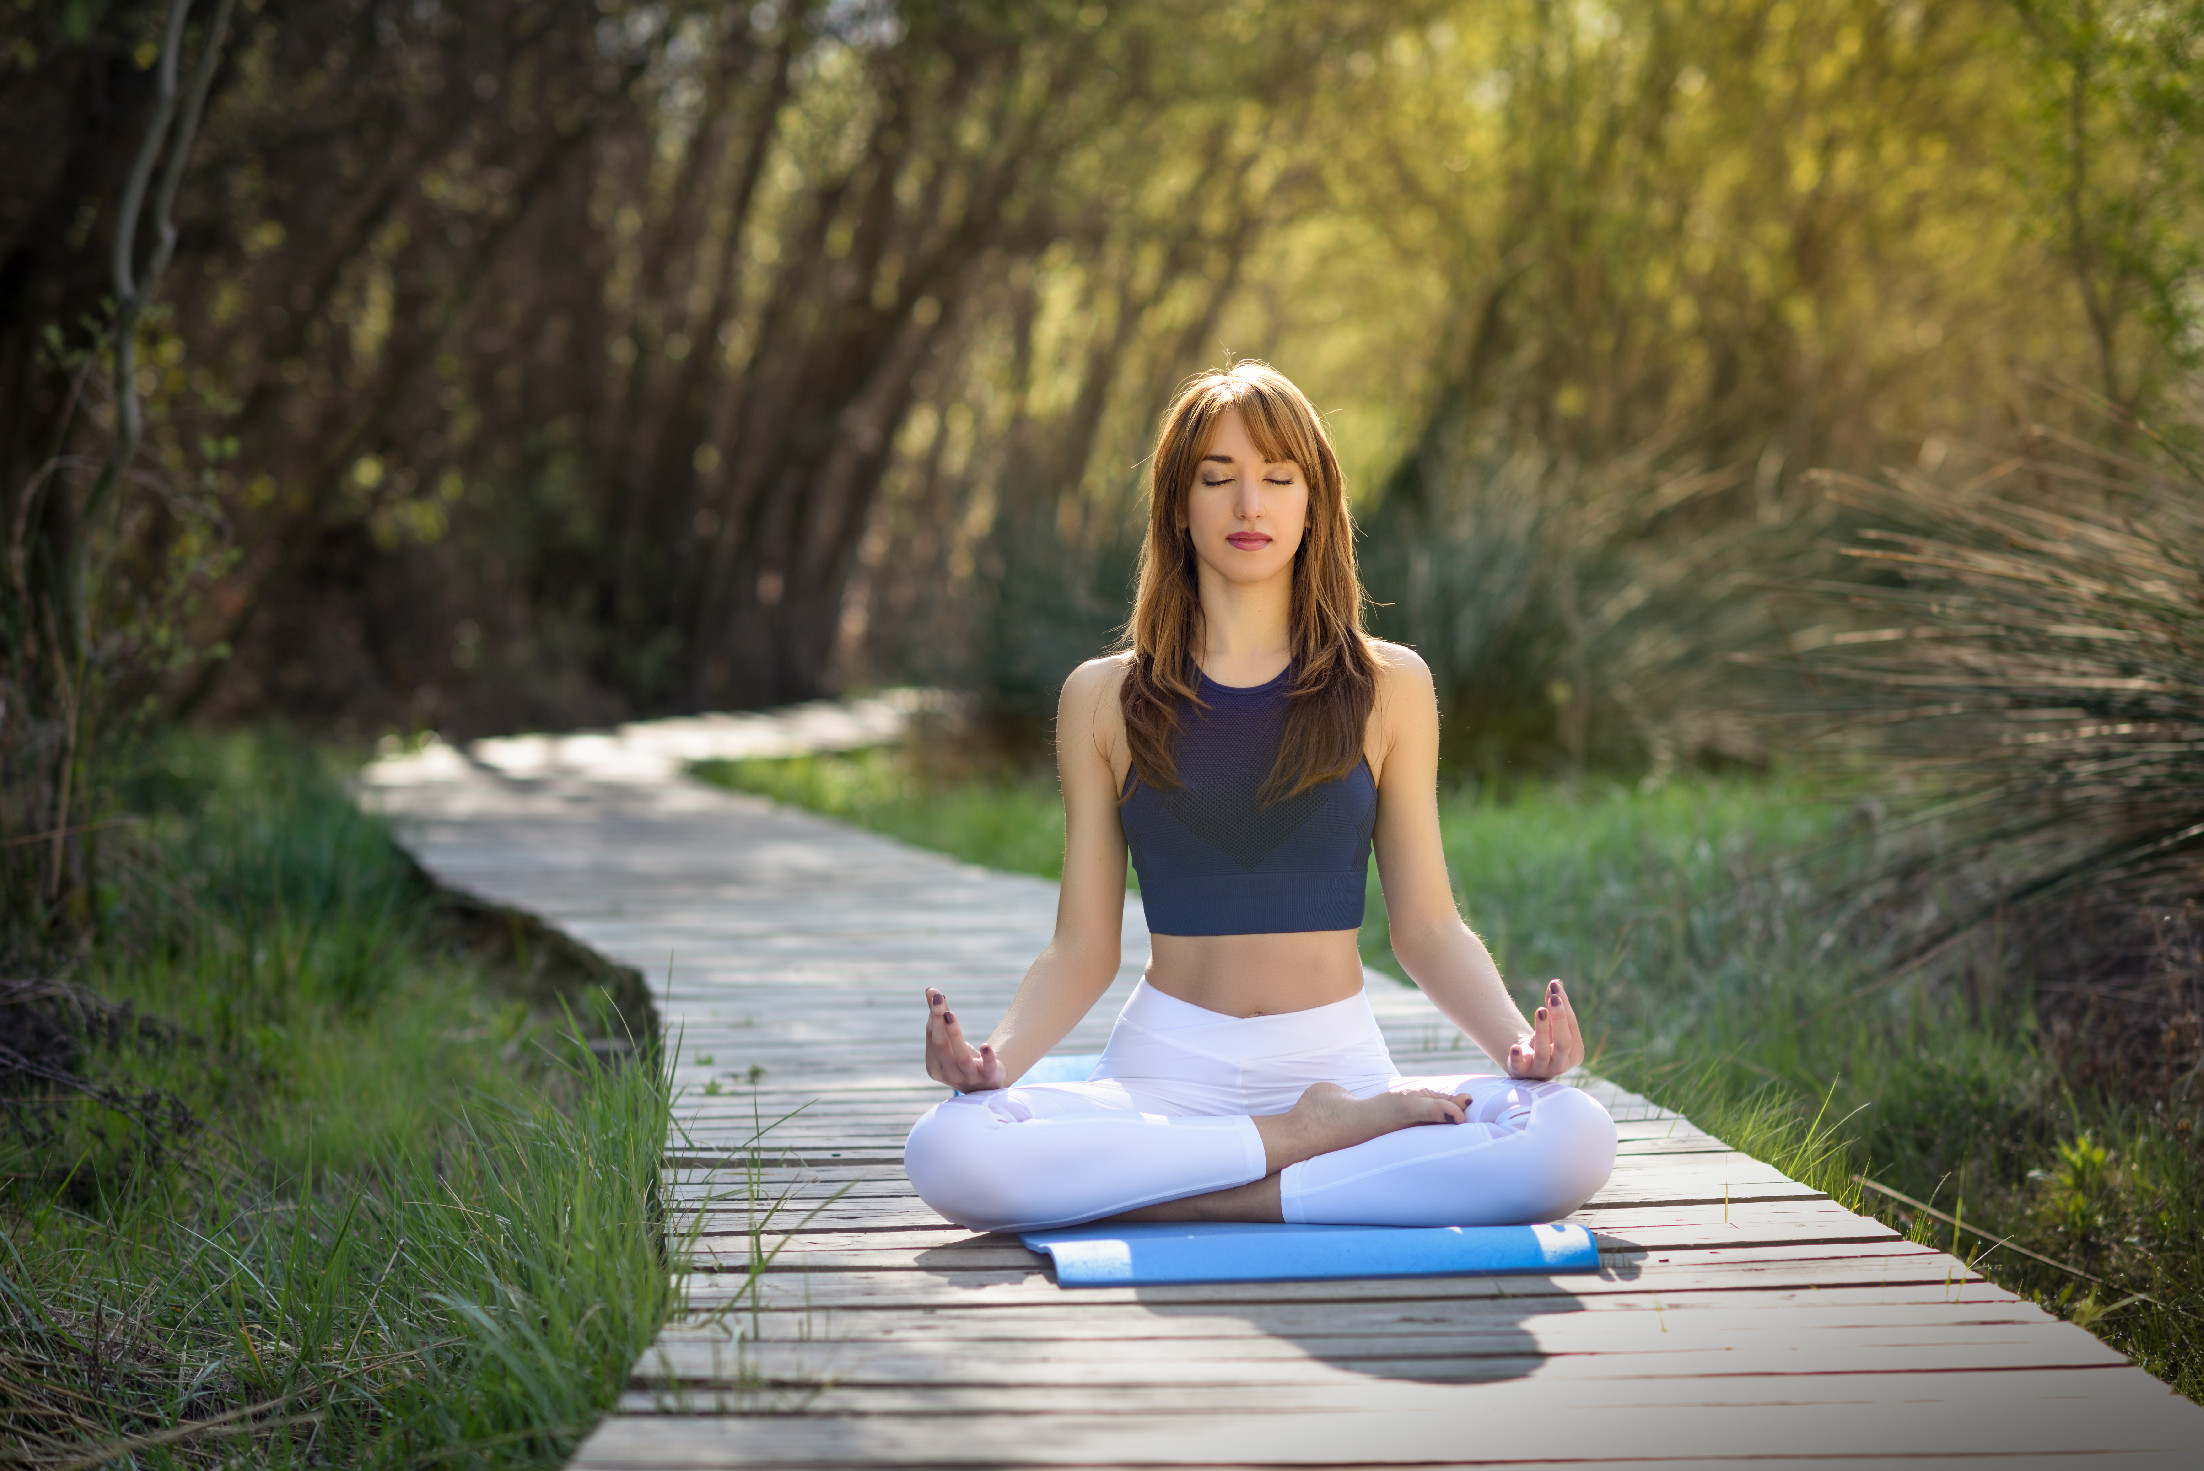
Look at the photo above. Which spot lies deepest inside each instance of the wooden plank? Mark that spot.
(1983, 1415)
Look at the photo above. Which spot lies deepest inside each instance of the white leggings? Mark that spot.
(1169, 1112)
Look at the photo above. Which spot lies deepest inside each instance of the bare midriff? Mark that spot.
(1257, 975)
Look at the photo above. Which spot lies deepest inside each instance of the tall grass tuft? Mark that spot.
(418, 1222)
(1574, 619)
(2027, 651)
(2038, 659)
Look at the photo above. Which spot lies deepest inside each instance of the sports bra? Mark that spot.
(1213, 860)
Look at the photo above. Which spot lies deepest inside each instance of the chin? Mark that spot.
(1252, 567)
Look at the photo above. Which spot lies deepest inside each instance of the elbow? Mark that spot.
(1091, 958)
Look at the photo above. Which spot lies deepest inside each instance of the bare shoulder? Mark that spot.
(1400, 670)
(1093, 686)
(1407, 702)
(1088, 706)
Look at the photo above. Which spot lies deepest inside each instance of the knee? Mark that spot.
(955, 1169)
(1577, 1145)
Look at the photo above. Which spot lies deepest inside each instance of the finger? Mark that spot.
(1542, 1044)
(958, 1047)
(1568, 1032)
(973, 1071)
(962, 1061)
(1440, 1108)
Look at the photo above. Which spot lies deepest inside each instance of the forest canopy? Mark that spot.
(552, 362)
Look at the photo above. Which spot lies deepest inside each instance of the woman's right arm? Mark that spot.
(1082, 958)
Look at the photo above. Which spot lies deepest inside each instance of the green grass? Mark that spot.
(1699, 928)
(414, 1222)
(1002, 820)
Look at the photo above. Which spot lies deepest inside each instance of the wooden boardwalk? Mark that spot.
(1739, 1316)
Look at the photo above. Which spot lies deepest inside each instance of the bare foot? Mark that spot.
(1328, 1117)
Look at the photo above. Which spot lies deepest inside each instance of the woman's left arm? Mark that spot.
(1438, 950)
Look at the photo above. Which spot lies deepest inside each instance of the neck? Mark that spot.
(1247, 629)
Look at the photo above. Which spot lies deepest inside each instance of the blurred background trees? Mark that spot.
(549, 362)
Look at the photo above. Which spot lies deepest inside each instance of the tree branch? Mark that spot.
(133, 293)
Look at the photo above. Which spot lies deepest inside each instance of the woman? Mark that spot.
(1248, 746)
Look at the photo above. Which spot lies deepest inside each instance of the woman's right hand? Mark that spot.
(952, 1060)
(1555, 1044)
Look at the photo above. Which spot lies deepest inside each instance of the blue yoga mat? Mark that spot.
(1067, 1067)
(1062, 1067)
(1217, 1251)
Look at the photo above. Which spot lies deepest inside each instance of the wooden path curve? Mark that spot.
(1739, 1316)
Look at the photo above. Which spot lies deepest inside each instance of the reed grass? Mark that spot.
(2033, 655)
(1574, 618)
(2023, 655)
(411, 1221)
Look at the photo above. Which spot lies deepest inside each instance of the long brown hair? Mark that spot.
(1334, 676)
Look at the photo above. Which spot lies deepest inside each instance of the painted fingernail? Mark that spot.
(948, 1016)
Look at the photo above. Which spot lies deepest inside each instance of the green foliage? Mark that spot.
(1566, 627)
(2116, 89)
(397, 1217)
(1664, 260)
(1002, 821)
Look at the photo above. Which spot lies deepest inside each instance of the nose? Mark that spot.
(1248, 504)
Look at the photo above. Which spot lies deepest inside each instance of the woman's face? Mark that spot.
(1245, 514)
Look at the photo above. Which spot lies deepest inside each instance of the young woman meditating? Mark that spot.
(1247, 748)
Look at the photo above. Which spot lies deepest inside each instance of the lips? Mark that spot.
(1249, 541)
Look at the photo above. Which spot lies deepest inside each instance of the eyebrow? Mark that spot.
(1228, 460)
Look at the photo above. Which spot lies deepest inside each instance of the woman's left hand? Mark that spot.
(1554, 1045)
